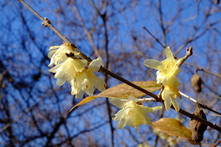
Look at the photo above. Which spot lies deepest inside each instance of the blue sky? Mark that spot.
(24, 56)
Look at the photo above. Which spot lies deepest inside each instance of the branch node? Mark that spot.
(72, 55)
(46, 22)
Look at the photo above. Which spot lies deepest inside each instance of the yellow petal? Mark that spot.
(175, 104)
(149, 109)
(168, 53)
(116, 102)
(60, 81)
(53, 48)
(167, 103)
(152, 63)
(148, 121)
(95, 64)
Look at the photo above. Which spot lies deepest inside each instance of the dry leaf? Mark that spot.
(123, 91)
(172, 127)
(196, 81)
(197, 127)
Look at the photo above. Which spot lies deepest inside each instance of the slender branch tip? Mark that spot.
(189, 51)
(157, 40)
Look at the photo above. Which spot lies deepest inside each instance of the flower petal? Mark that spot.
(116, 102)
(95, 64)
(100, 84)
(168, 53)
(155, 108)
(60, 82)
(167, 103)
(145, 109)
(152, 63)
(79, 94)
(121, 124)
(175, 104)
(148, 121)
(53, 48)
(51, 53)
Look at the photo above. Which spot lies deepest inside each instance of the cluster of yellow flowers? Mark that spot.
(75, 70)
(132, 113)
(80, 75)
(166, 75)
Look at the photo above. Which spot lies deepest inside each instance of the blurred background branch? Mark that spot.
(25, 81)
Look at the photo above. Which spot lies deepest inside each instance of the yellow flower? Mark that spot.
(86, 80)
(75, 70)
(81, 78)
(131, 113)
(57, 54)
(67, 70)
(169, 96)
(167, 69)
(166, 74)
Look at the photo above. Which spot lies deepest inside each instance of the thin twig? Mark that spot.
(48, 24)
(140, 100)
(156, 39)
(190, 98)
(87, 32)
(106, 78)
(202, 105)
(206, 71)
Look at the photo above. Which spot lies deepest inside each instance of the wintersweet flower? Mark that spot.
(132, 113)
(57, 54)
(169, 95)
(74, 70)
(86, 80)
(67, 70)
(167, 69)
(166, 74)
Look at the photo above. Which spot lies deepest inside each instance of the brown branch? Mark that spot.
(87, 32)
(212, 125)
(204, 70)
(201, 104)
(156, 39)
(162, 26)
(104, 19)
(47, 23)
(190, 40)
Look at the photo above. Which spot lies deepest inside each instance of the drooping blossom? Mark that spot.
(167, 71)
(75, 70)
(132, 113)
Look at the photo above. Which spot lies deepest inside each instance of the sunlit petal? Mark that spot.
(95, 64)
(167, 103)
(175, 104)
(131, 113)
(168, 53)
(152, 63)
(116, 102)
